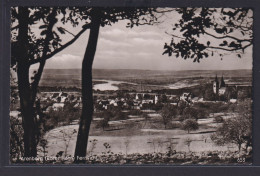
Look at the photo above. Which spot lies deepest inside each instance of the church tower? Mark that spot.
(222, 83)
(216, 85)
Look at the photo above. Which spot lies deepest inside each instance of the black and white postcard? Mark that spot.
(131, 85)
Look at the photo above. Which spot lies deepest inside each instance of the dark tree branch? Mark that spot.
(15, 27)
(47, 40)
(85, 27)
(220, 48)
(175, 36)
(244, 28)
(69, 32)
(225, 49)
(147, 23)
(228, 36)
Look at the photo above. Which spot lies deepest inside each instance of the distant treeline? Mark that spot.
(65, 88)
(196, 90)
(58, 88)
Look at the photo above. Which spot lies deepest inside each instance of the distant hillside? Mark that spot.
(122, 73)
(72, 77)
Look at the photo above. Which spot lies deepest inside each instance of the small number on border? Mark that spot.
(241, 160)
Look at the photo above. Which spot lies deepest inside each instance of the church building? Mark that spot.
(219, 88)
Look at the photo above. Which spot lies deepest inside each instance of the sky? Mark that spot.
(140, 48)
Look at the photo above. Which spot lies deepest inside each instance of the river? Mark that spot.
(112, 85)
(109, 85)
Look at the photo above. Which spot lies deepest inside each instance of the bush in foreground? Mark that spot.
(190, 125)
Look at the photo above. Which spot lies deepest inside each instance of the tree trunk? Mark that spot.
(26, 110)
(23, 67)
(87, 96)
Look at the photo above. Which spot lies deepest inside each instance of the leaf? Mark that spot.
(233, 44)
(219, 30)
(165, 46)
(43, 26)
(165, 52)
(43, 32)
(224, 43)
(172, 43)
(61, 30)
(56, 35)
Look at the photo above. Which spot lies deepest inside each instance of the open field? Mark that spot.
(137, 137)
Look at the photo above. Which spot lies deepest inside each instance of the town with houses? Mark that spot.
(142, 100)
(145, 100)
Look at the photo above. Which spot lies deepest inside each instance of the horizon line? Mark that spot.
(142, 69)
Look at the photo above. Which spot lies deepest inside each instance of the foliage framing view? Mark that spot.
(28, 48)
(220, 24)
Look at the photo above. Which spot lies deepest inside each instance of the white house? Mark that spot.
(57, 106)
(185, 96)
(233, 100)
(222, 90)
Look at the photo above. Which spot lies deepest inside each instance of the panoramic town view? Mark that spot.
(141, 102)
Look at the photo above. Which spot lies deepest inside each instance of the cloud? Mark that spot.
(143, 54)
(65, 61)
(130, 33)
(107, 54)
(112, 43)
(142, 41)
(113, 33)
